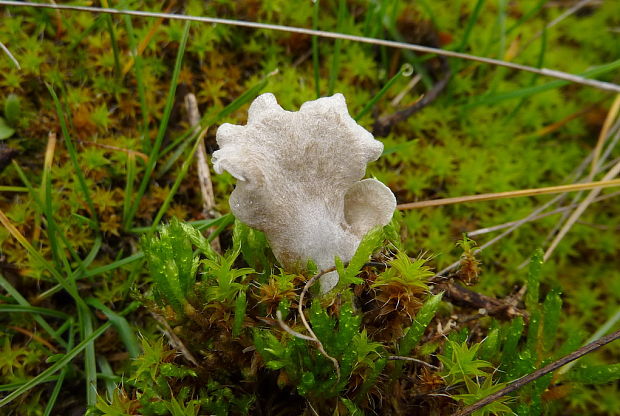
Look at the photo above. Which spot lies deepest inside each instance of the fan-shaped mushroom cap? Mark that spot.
(298, 180)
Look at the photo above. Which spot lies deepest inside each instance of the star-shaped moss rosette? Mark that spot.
(299, 180)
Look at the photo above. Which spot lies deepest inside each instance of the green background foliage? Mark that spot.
(114, 302)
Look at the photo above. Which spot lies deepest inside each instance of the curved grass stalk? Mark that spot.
(10, 55)
(606, 86)
(512, 194)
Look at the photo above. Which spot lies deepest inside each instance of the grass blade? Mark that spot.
(110, 26)
(31, 309)
(405, 70)
(90, 362)
(529, 91)
(46, 193)
(13, 189)
(25, 304)
(121, 325)
(38, 257)
(131, 176)
(61, 378)
(58, 365)
(108, 375)
(315, 49)
(237, 102)
(473, 18)
(138, 65)
(526, 16)
(154, 154)
(606, 86)
(177, 182)
(73, 155)
(333, 71)
(115, 265)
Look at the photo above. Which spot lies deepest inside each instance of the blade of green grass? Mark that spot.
(82, 264)
(405, 70)
(58, 365)
(38, 257)
(177, 182)
(429, 11)
(178, 152)
(198, 224)
(179, 140)
(115, 265)
(315, 49)
(410, 57)
(13, 386)
(333, 70)
(46, 193)
(163, 126)
(84, 34)
(228, 220)
(207, 120)
(237, 102)
(108, 376)
(471, 22)
(501, 23)
(222, 221)
(47, 210)
(25, 304)
(13, 189)
(73, 156)
(539, 63)
(529, 91)
(526, 16)
(94, 272)
(111, 32)
(90, 363)
(131, 176)
(61, 378)
(121, 325)
(138, 71)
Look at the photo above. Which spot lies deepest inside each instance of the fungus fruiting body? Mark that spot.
(299, 180)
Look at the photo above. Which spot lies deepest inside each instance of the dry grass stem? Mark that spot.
(611, 116)
(204, 175)
(290, 330)
(517, 384)
(605, 183)
(606, 86)
(36, 337)
(300, 308)
(498, 227)
(10, 55)
(174, 340)
(415, 360)
(567, 13)
(579, 210)
(497, 238)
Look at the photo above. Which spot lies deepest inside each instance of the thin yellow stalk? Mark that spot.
(144, 42)
(47, 163)
(613, 172)
(611, 116)
(47, 169)
(511, 194)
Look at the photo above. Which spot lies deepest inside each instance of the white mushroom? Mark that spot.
(299, 180)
